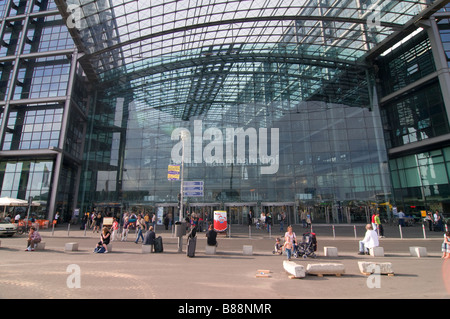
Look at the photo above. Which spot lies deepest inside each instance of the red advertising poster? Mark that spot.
(220, 220)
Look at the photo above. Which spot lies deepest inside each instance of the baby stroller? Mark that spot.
(307, 247)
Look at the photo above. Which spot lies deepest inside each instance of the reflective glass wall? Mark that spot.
(42, 103)
(269, 149)
(415, 121)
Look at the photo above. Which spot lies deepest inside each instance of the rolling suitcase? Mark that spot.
(192, 242)
(158, 245)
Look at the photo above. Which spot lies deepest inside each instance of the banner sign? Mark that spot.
(220, 221)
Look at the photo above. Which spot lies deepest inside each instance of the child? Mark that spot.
(278, 247)
(115, 230)
(446, 246)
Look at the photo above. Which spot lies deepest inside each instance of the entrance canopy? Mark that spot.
(189, 58)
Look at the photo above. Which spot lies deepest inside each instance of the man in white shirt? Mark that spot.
(370, 240)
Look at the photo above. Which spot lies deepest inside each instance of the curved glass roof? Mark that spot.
(198, 53)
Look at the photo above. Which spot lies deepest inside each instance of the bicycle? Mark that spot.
(21, 229)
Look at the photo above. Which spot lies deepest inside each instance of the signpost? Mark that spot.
(193, 189)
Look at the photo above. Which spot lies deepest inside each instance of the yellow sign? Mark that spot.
(173, 173)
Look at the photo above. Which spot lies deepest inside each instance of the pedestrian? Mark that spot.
(149, 238)
(439, 221)
(93, 219)
(289, 241)
(303, 218)
(33, 238)
(308, 220)
(401, 218)
(278, 248)
(140, 227)
(379, 225)
(374, 224)
(147, 220)
(282, 218)
(56, 219)
(269, 222)
(154, 221)
(115, 230)
(125, 228)
(429, 221)
(98, 222)
(192, 231)
(370, 240)
(446, 246)
(211, 236)
(166, 221)
(17, 219)
(105, 238)
(84, 221)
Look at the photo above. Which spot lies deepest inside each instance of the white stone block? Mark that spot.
(71, 247)
(210, 250)
(368, 267)
(418, 251)
(147, 249)
(40, 246)
(248, 250)
(298, 271)
(325, 269)
(109, 246)
(377, 251)
(330, 251)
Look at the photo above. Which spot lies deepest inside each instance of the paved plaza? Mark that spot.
(126, 272)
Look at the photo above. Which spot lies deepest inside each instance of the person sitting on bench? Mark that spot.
(211, 236)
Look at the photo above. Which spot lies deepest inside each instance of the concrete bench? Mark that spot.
(147, 249)
(325, 269)
(71, 247)
(247, 250)
(368, 268)
(418, 251)
(330, 251)
(295, 270)
(210, 250)
(40, 246)
(376, 251)
(109, 246)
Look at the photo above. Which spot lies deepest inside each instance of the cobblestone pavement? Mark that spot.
(126, 272)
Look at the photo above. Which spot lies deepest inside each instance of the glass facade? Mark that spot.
(415, 119)
(282, 106)
(24, 179)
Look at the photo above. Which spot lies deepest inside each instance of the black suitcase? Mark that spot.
(158, 245)
(192, 242)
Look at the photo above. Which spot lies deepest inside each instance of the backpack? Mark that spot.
(99, 250)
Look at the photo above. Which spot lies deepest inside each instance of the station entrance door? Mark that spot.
(238, 212)
(276, 210)
(205, 212)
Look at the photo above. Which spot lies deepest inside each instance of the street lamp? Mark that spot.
(184, 134)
